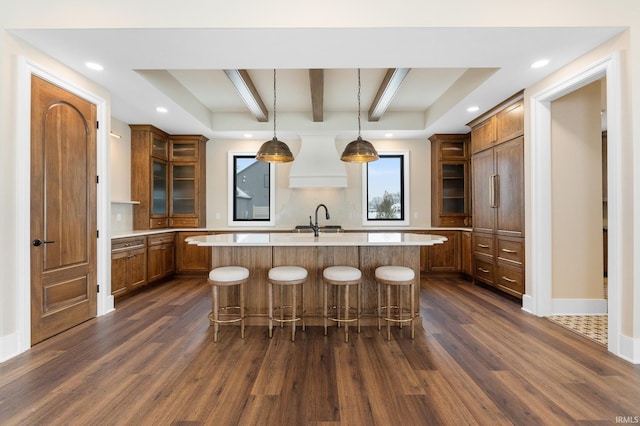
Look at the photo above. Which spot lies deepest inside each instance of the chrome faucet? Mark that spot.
(315, 227)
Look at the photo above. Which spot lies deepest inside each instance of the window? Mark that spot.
(251, 191)
(385, 190)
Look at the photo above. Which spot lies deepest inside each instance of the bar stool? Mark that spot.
(342, 276)
(227, 276)
(399, 277)
(292, 277)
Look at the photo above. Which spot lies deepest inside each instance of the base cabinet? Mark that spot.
(161, 256)
(128, 264)
(189, 257)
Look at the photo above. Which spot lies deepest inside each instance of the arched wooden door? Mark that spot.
(63, 210)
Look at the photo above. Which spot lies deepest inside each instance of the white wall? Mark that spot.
(576, 171)
(295, 205)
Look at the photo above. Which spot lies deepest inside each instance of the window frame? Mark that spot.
(231, 156)
(405, 188)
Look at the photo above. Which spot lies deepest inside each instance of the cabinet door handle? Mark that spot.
(483, 246)
(508, 251)
(509, 280)
(493, 190)
(486, 271)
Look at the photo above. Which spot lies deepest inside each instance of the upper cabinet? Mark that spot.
(187, 206)
(450, 180)
(168, 177)
(503, 126)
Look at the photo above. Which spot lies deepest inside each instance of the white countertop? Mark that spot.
(325, 239)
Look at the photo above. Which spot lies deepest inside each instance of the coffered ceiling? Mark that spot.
(207, 79)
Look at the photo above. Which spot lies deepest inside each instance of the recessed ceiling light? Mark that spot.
(162, 110)
(388, 134)
(94, 66)
(539, 64)
(248, 135)
(473, 108)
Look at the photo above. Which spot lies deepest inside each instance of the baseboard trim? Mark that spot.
(10, 346)
(629, 349)
(579, 307)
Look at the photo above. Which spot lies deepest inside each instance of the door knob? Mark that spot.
(38, 242)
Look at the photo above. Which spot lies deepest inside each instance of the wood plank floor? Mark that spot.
(476, 359)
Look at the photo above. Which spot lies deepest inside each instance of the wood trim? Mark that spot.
(247, 91)
(388, 89)
(493, 111)
(316, 84)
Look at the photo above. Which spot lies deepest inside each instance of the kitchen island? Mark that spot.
(259, 252)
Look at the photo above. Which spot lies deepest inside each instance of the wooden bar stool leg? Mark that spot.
(399, 297)
(325, 310)
(242, 310)
(413, 316)
(346, 313)
(294, 302)
(214, 294)
(282, 306)
(302, 306)
(359, 305)
(270, 297)
(388, 312)
(379, 304)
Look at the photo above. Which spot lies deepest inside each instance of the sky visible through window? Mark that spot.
(384, 175)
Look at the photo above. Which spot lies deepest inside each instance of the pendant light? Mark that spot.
(359, 150)
(274, 151)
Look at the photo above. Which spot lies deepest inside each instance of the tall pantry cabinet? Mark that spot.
(168, 178)
(497, 167)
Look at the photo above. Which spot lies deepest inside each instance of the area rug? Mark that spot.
(594, 327)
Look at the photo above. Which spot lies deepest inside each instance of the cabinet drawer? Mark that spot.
(155, 240)
(453, 221)
(483, 244)
(484, 271)
(510, 250)
(159, 223)
(511, 280)
(183, 222)
(121, 244)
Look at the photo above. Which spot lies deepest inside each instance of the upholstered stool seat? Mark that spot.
(342, 277)
(290, 277)
(227, 276)
(400, 277)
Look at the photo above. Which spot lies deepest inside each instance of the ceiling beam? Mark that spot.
(388, 89)
(316, 82)
(247, 91)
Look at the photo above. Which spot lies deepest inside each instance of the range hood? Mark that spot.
(317, 164)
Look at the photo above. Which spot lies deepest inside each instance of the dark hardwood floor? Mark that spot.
(477, 359)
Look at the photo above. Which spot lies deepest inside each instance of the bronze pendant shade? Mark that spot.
(274, 151)
(359, 150)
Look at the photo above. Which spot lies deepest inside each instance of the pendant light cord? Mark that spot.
(359, 103)
(274, 103)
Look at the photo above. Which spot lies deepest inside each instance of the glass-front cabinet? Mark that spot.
(450, 201)
(168, 174)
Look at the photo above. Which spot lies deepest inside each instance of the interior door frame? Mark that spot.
(538, 299)
(105, 303)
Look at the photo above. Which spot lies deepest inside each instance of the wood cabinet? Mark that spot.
(466, 253)
(161, 256)
(128, 264)
(191, 258)
(168, 177)
(450, 204)
(497, 170)
(187, 172)
(149, 177)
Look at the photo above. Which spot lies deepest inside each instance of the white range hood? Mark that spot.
(317, 164)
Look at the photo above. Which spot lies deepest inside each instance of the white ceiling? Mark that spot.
(182, 70)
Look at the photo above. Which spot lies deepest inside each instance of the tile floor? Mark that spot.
(594, 327)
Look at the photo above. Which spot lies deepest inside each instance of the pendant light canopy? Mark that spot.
(359, 150)
(274, 151)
